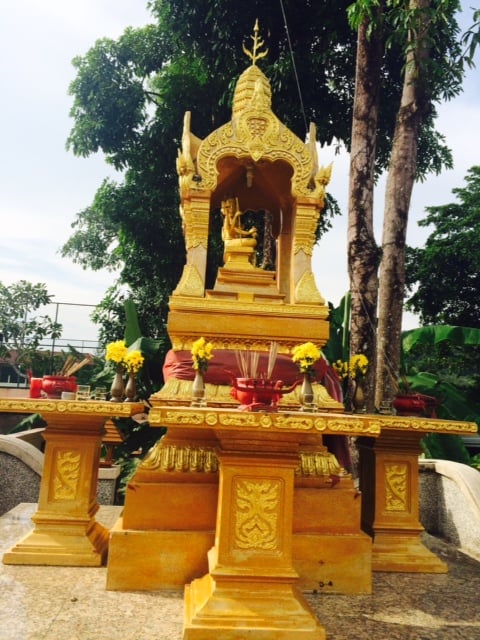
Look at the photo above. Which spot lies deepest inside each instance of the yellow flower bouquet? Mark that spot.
(116, 352)
(356, 368)
(305, 355)
(201, 354)
(133, 361)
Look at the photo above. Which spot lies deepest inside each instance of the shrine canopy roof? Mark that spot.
(255, 137)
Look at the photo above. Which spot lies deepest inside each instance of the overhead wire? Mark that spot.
(302, 108)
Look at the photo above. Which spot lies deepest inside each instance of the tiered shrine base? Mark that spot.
(245, 508)
(171, 503)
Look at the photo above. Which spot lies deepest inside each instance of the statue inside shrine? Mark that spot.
(234, 236)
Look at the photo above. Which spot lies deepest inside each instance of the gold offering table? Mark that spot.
(252, 583)
(388, 472)
(66, 532)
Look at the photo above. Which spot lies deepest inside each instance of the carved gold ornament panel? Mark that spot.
(257, 507)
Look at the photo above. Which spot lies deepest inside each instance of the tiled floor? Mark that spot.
(71, 603)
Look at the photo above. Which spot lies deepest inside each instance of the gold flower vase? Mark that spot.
(198, 390)
(358, 398)
(306, 393)
(131, 388)
(117, 390)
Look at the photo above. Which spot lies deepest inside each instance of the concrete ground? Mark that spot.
(71, 603)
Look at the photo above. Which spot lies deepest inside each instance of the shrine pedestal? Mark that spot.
(250, 587)
(171, 508)
(66, 532)
(389, 483)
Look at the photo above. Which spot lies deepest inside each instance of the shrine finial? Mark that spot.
(258, 43)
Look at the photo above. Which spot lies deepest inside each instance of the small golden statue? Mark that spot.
(239, 243)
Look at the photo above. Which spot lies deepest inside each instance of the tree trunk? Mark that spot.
(363, 253)
(400, 181)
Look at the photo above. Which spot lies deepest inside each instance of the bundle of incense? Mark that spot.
(241, 363)
(247, 363)
(254, 357)
(76, 367)
(68, 363)
(272, 357)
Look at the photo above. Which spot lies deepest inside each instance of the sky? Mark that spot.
(43, 186)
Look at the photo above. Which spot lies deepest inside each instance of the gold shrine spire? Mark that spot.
(258, 43)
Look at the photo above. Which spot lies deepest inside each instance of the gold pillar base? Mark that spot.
(243, 608)
(333, 563)
(389, 483)
(403, 553)
(174, 558)
(74, 544)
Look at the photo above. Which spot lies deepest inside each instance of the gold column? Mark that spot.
(250, 588)
(66, 532)
(390, 512)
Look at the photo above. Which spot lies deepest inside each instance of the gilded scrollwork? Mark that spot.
(396, 487)
(48, 407)
(257, 506)
(296, 421)
(424, 425)
(238, 419)
(281, 421)
(67, 474)
(180, 417)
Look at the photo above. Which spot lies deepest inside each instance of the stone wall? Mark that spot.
(450, 503)
(21, 467)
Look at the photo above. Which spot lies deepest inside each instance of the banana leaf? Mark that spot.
(454, 403)
(435, 334)
(132, 326)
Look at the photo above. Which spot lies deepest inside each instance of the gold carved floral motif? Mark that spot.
(424, 425)
(396, 487)
(257, 504)
(47, 407)
(67, 473)
(299, 422)
(242, 419)
(176, 417)
(256, 132)
(291, 420)
(281, 421)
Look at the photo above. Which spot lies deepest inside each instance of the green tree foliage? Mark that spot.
(21, 330)
(130, 97)
(444, 361)
(444, 275)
